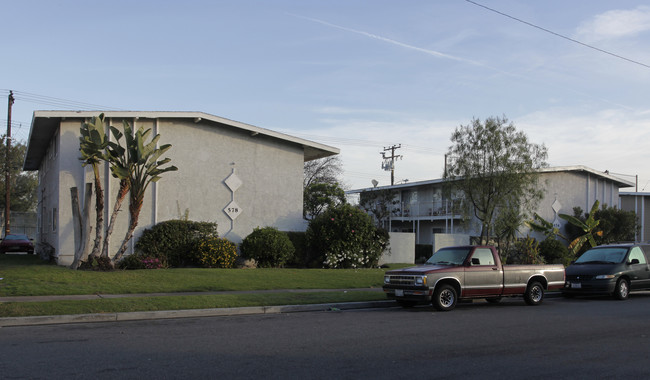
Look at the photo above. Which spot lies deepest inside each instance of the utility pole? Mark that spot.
(389, 161)
(7, 166)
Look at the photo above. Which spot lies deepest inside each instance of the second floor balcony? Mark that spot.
(426, 210)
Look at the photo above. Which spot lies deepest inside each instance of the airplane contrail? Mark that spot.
(398, 43)
(443, 55)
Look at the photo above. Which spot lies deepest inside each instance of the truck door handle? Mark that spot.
(495, 268)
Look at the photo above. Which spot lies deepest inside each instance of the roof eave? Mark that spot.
(45, 124)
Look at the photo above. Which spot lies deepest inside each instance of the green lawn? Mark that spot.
(24, 275)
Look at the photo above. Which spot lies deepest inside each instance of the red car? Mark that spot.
(16, 243)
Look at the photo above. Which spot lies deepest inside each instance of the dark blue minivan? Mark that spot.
(609, 269)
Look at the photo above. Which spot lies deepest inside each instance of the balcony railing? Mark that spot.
(425, 209)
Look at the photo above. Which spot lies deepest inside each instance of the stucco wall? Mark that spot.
(402, 249)
(573, 189)
(205, 153)
(449, 240)
(640, 204)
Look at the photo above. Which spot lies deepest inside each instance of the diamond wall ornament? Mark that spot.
(233, 182)
(557, 206)
(232, 210)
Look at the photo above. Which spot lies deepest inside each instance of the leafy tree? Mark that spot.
(144, 168)
(495, 167)
(379, 203)
(617, 225)
(92, 143)
(322, 170)
(23, 184)
(319, 196)
(506, 228)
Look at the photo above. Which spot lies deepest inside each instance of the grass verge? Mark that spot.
(24, 275)
(116, 305)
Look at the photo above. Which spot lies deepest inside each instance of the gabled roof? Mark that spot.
(46, 123)
(580, 168)
(558, 169)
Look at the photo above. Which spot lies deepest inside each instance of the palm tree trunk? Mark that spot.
(134, 211)
(99, 208)
(121, 194)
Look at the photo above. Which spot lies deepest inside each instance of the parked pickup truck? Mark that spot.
(468, 272)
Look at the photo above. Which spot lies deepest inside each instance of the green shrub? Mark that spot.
(136, 261)
(132, 261)
(174, 241)
(101, 264)
(554, 252)
(215, 252)
(347, 238)
(268, 246)
(526, 251)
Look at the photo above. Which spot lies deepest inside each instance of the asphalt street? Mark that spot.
(582, 338)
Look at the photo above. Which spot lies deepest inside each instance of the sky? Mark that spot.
(361, 76)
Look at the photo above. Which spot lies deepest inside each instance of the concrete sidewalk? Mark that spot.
(193, 313)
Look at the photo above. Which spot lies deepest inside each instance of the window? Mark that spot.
(482, 256)
(636, 253)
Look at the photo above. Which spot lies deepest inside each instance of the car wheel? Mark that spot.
(622, 290)
(534, 294)
(445, 298)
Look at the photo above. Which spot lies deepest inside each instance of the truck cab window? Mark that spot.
(482, 256)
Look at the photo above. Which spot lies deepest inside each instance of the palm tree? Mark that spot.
(143, 169)
(588, 226)
(92, 143)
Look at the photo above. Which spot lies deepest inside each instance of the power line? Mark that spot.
(559, 35)
(56, 102)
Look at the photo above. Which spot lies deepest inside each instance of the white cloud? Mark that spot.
(611, 139)
(615, 24)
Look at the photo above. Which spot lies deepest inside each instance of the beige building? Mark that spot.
(237, 175)
(423, 209)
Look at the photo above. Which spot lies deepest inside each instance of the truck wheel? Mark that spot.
(445, 298)
(622, 290)
(534, 294)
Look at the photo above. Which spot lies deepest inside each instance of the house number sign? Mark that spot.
(233, 183)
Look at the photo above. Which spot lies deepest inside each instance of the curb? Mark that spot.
(191, 313)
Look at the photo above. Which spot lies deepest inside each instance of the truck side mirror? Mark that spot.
(634, 261)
